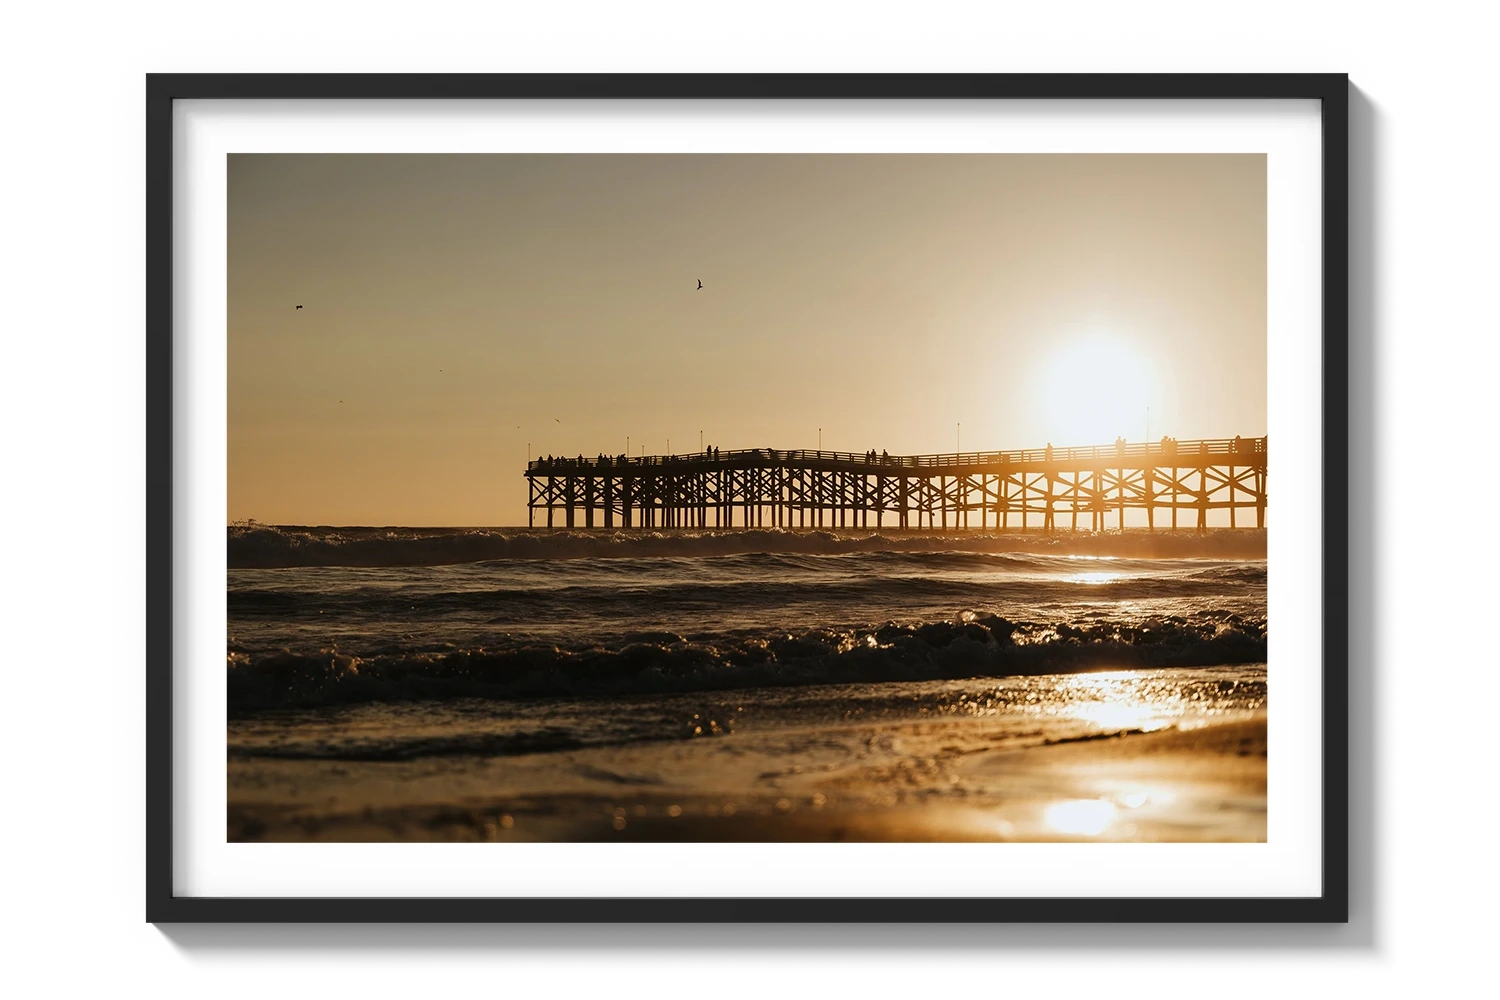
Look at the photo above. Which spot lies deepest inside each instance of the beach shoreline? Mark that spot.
(1198, 783)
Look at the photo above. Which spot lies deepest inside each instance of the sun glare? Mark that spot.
(1091, 390)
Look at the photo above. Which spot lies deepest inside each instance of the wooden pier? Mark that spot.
(1174, 482)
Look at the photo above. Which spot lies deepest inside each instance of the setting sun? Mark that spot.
(1091, 390)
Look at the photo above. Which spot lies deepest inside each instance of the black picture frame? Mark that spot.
(791, 62)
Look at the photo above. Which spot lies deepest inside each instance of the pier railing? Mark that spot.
(1251, 450)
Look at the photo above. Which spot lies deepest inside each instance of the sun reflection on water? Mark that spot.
(1092, 817)
(1129, 715)
(1094, 579)
(1119, 700)
(1082, 817)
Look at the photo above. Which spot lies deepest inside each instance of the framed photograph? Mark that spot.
(711, 498)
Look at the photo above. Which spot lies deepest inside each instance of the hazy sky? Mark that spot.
(458, 307)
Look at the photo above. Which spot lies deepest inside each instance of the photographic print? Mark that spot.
(747, 497)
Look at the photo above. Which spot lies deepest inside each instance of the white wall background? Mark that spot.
(54, 927)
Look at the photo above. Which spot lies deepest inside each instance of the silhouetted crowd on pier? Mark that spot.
(1168, 446)
(562, 463)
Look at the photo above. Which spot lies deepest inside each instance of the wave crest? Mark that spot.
(654, 663)
(259, 546)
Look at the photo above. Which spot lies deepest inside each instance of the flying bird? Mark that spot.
(700, 285)
(299, 307)
(556, 421)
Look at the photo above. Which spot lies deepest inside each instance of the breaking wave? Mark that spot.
(666, 662)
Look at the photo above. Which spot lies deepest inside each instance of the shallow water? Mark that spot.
(562, 689)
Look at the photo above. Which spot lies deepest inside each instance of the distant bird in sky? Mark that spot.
(700, 285)
(556, 421)
(299, 307)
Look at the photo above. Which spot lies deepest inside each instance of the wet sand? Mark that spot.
(1206, 783)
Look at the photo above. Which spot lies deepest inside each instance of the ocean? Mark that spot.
(511, 684)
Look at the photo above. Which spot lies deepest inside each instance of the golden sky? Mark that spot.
(457, 308)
